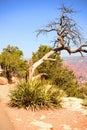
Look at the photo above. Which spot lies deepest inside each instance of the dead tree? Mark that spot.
(68, 34)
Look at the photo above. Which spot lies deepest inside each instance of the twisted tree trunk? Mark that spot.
(32, 67)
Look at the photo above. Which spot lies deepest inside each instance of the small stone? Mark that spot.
(67, 127)
(42, 125)
(43, 117)
(18, 119)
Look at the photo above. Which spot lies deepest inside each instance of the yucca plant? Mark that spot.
(35, 95)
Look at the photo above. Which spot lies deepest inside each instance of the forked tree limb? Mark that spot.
(39, 62)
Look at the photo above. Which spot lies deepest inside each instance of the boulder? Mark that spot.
(15, 80)
(3, 81)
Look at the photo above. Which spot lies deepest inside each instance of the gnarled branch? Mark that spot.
(68, 33)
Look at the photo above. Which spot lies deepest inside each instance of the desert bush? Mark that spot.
(76, 91)
(84, 102)
(82, 92)
(66, 80)
(35, 95)
(12, 63)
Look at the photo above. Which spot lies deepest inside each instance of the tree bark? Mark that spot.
(30, 74)
(32, 67)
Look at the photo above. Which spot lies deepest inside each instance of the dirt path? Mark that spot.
(71, 117)
(5, 122)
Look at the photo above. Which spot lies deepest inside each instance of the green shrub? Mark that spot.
(84, 102)
(82, 92)
(74, 91)
(35, 95)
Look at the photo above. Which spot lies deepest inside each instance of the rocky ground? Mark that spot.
(72, 115)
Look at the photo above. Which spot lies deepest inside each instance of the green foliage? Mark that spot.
(58, 75)
(35, 95)
(72, 89)
(66, 80)
(84, 102)
(12, 62)
(42, 50)
(84, 84)
(47, 66)
(82, 93)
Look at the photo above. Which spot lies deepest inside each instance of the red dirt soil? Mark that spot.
(60, 119)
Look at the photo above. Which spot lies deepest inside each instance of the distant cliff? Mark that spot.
(79, 65)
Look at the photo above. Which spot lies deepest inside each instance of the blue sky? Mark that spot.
(19, 19)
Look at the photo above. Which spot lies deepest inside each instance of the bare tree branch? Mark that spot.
(44, 31)
(80, 49)
(49, 59)
(68, 33)
(36, 64)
